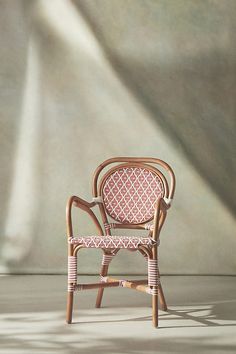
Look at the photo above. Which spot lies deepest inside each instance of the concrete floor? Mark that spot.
(201, 317)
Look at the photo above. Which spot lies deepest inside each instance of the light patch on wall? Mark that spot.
(23, 201)
(65, 21)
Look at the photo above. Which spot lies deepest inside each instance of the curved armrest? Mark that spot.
(84, 205)
(80, 203)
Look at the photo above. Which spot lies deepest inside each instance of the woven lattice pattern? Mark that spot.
(130, 193)
(112, 241)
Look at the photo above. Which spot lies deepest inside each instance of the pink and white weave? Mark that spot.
(72, 272)
(107, 258)
(129, 194)
(153, 276)
(112, 241)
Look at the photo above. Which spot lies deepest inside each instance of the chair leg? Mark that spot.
(69, 310)
(162, 298)
(106, 259)
(72, 280)
(153, 281)
(155, 310)
(104, 272)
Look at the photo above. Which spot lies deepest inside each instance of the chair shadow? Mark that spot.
(58, 337)
(216, 316)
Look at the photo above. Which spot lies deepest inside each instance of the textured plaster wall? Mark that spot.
(82, 81)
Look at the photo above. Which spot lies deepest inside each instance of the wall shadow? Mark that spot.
(190, 95)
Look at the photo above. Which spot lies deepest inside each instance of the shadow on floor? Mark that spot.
(32, 318)
(47, 332)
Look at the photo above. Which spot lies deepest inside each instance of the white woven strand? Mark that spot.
(107, 258)
(149, 226)
(72, 272)
(168, 201)
(103, 279)
(122, 282)
(154, 290)
(153, 276)
(152, 272)
(97, 199)
(71, 287)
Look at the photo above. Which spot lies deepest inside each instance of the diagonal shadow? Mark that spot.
(217, 312)
(50, 337)
(190, 97)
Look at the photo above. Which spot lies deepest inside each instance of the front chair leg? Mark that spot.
(153, 282)
(72, 280)
(155, 307)
(69, 309)
(162, 298)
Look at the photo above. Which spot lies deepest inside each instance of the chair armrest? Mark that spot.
(85, 206)
(80, 203)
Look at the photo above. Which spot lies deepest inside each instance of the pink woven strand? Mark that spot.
(72, 272)
(107, 226)
(107, 258)
(152, 272)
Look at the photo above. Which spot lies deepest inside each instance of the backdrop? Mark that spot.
(83, 81)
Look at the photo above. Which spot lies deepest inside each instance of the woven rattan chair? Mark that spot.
(131, 193)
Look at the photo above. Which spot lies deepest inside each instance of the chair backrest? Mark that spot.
(129, 190)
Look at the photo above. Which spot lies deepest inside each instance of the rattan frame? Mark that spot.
(151, 254)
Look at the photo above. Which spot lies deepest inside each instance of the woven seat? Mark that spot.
(130, 242)
(131, 193)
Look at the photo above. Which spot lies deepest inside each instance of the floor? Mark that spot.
(201, 317)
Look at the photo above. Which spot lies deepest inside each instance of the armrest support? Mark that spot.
(162, 205)
(165, 203)
(84, 205)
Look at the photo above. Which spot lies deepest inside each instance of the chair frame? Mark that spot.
(152, 286)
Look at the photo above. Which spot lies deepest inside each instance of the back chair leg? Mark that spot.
(162, 298)
(103, 273)
(106, 259)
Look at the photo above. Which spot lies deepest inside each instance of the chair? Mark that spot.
(131, 193)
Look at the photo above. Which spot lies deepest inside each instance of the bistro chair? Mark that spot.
(131, 193)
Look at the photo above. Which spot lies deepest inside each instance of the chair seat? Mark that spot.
(112, 241)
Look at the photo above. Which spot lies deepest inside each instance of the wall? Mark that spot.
(83, 81)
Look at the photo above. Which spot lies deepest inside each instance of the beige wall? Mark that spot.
(83, 81)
